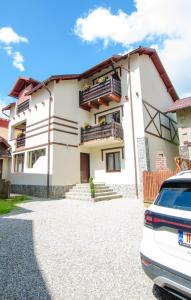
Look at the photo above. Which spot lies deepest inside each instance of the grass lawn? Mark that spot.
(7, 205)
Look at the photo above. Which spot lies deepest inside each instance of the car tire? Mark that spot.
(161, 294)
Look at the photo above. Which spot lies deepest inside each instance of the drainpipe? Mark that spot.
(48, 154)
(133, 128)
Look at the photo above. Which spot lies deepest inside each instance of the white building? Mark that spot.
(53, 151)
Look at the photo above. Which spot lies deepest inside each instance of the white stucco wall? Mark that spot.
(155, 92)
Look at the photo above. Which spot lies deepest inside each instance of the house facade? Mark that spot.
(182, 109)
(108, 123)
(5, 154)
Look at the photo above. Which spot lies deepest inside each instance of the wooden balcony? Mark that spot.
(112, 131)
(23, 106)
(20, 142)
(101, 94)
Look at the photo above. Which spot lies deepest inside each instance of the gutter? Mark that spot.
(48, 154)
(133, 128)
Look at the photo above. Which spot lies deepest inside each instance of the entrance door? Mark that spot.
(84, 167)
(1, 168)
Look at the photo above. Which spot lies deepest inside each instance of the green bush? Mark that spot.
(7, 205)
(92, 187)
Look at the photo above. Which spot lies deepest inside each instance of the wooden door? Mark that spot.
(84, 167)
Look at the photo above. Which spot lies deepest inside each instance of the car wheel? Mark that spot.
(161, 294)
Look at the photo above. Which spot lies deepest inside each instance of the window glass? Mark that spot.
(19, 162)
(33, 156)
(117, 161)
(178, 198)
(113, 162)
(114, 116)
(110, 164)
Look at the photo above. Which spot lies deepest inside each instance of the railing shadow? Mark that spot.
(20, 277)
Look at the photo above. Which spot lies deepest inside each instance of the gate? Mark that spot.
(152, 182)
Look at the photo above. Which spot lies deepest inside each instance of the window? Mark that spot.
(113, 162)
(114, 116)
(178, 198)
(33, 156)
(19, 162)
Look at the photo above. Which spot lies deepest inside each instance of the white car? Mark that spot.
(166, 243)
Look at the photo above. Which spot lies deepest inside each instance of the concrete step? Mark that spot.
(88, 194)
(82, 192)
(77, 195)
(105, 198)
(86, 189)
(87, 185)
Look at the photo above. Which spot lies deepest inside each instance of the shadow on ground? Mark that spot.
(20, 277)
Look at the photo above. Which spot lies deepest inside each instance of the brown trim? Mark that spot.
(36, 123)
(64, 125)
(173, 131)
(52, 129)
(39, 127)
(108, 149)
(46, 119)
(119, 106)
(56, 123)
(30, 148)
(44, 145)
(59, 130)
(63, 119)
(62, 144)
(42, 132)
(114, 170)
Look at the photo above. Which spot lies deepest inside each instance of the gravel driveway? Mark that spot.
(66, 249)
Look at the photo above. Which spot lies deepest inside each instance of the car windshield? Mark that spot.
(178, 198)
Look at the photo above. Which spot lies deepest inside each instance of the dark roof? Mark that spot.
(113, 59)
(20, 84)
(9, 106)
(4, 152)
(180, 104)
(51, 78)
(4, 123)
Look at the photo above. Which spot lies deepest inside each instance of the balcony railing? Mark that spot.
(113, 129)
(20, 142)
(105, 90)
(23, 106)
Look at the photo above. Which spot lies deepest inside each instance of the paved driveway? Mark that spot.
(65, 249)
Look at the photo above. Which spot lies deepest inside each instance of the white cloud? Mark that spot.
(9, 36)
(16, 57)
(164, 24)
(18, 61)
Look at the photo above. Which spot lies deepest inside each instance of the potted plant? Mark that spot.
(85, 87)
(87, 126)
(101, 79)
(20, 134)
(102, 122)
(92, 187)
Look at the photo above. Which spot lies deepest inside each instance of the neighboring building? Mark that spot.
(182, 108)
(4, 125)
(5, 153)
(122, 101)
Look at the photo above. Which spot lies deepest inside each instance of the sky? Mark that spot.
(41, 38)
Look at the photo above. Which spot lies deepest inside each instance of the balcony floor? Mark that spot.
(101, 142)
(104, 100)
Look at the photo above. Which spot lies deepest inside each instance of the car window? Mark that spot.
(178, 198)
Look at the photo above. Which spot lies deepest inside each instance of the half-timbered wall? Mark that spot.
(160, 128)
